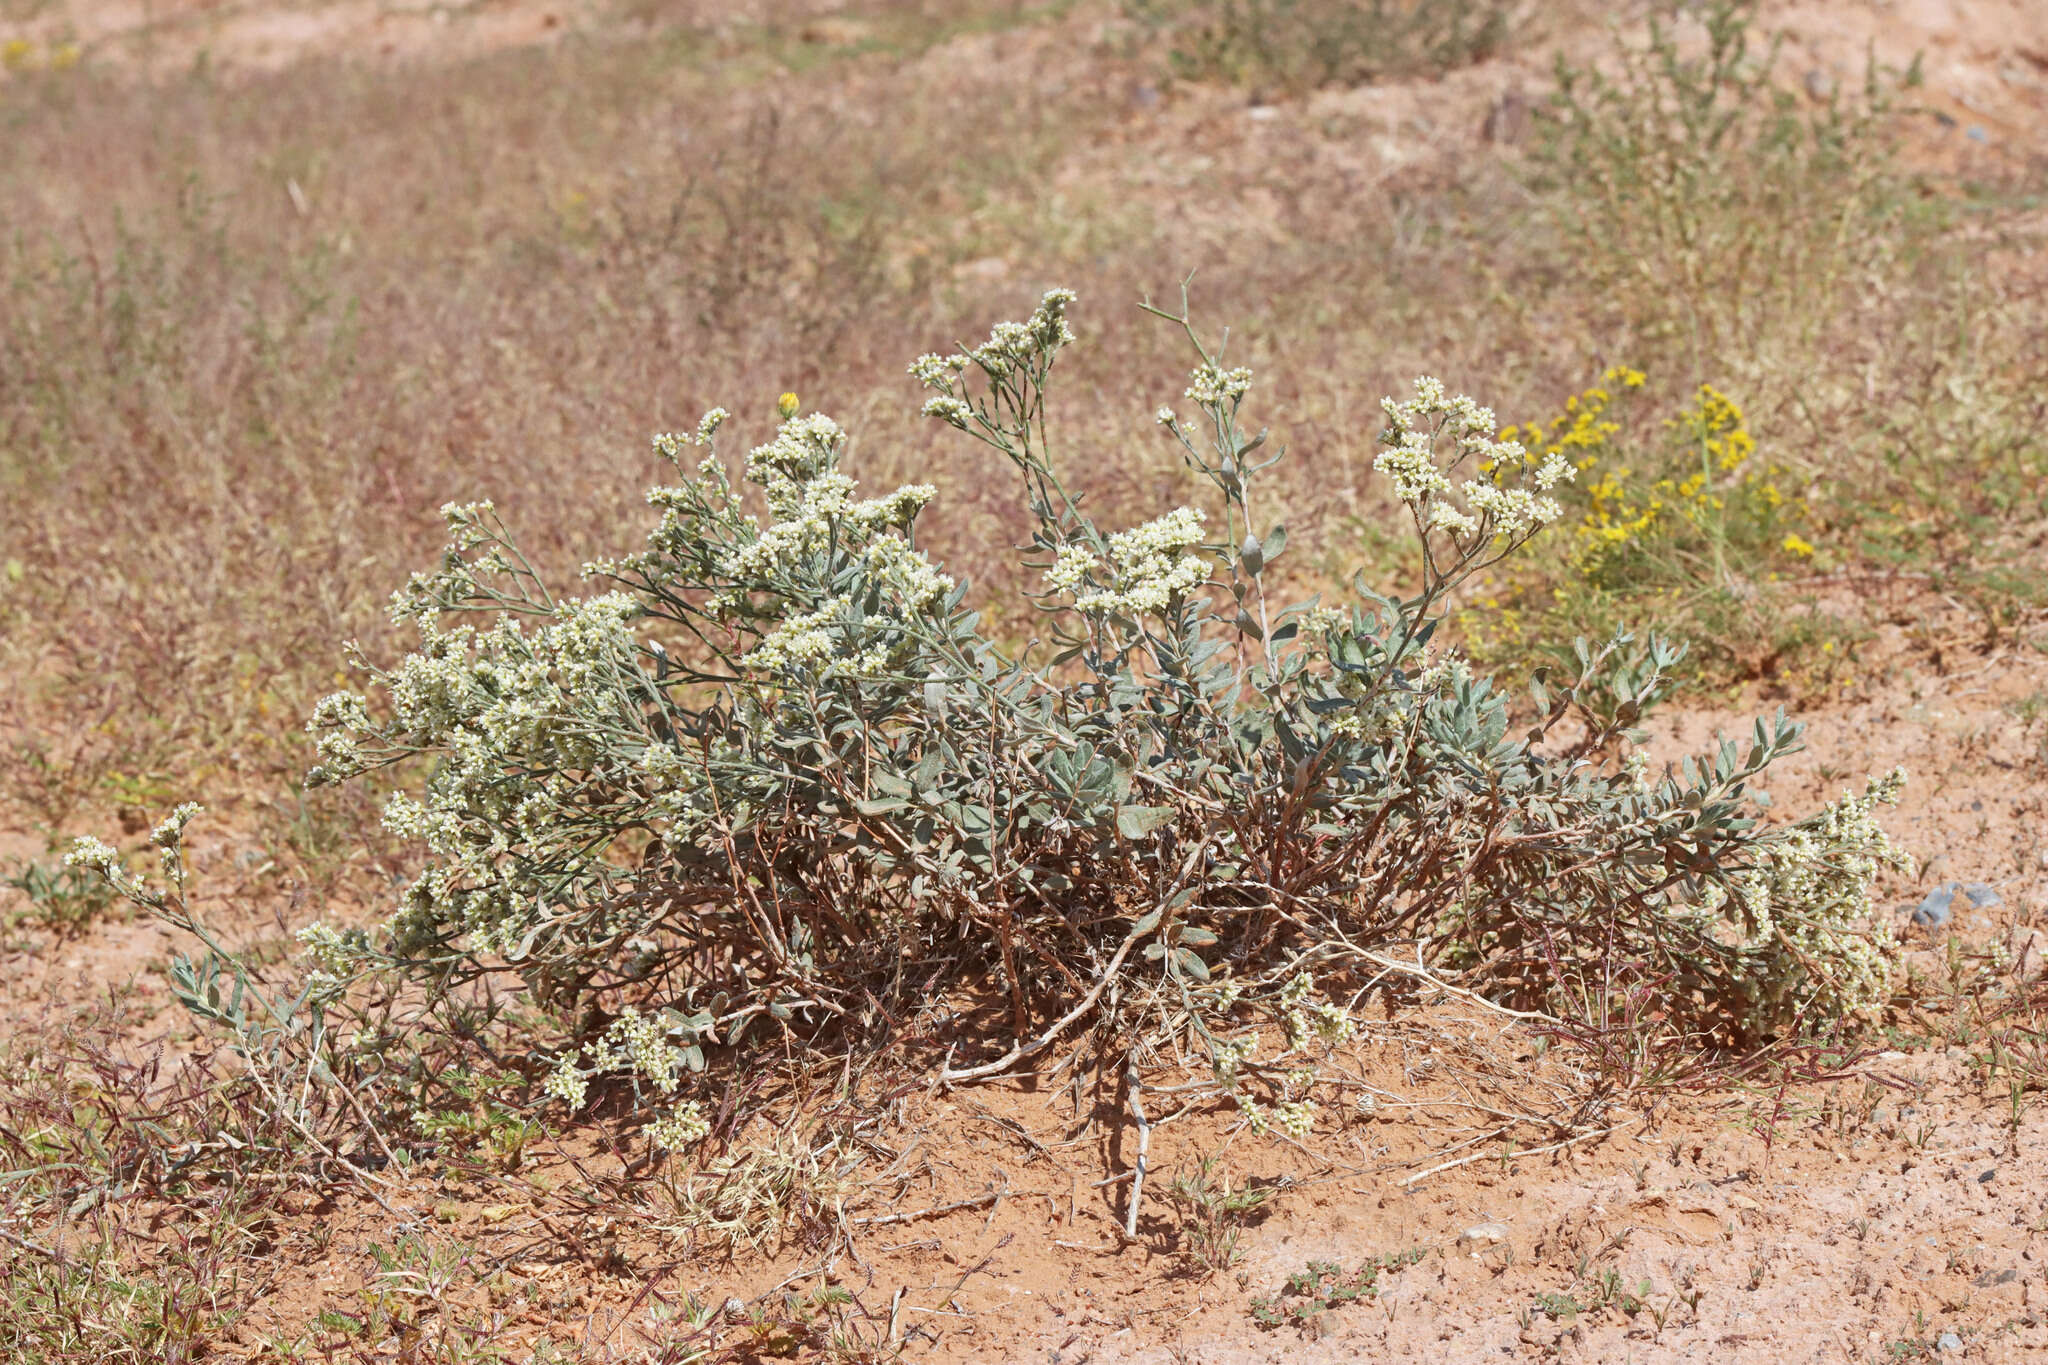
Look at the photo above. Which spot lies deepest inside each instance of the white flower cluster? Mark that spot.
(954, 412)
(1149, 568)
(1212, 387)
(1226, 1058)
(506, 700)
(1805, 908)
(1296, 1117)
(96, 855)
(643, 1049)
(1011, 347)
(337, 722)
(335, 954)
(681, 1127)
(1013, 344)
(803, 449)
(170, 831)
(669, 445)
(331, 948)
(1490, 510)
(818, 516)
(1306, 1020)
(939, 372)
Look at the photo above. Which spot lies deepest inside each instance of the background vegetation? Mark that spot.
(254, 328)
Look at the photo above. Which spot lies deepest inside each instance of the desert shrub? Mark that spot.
(1727, 211)
(770, 788)
(1754, 240)
(1276, 46)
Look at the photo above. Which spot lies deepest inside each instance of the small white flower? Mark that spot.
(681, 1127)
(952, 411)
(1212, 387)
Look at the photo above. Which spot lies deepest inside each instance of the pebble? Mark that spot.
(1933, 911)
(1948, 1341)
(1476, 1239)
(1937, 907)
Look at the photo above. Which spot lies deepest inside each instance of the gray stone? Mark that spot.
(1933, 911)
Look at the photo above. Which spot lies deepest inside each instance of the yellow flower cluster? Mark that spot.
(19, 54)
(1583, 428)
(1716, 422)
(1688, 488)
(1583, 432)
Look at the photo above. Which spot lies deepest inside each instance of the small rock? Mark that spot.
(1934, 909)
(1476, 1239)
(1976, 134)
(1938, 906)
(1992, 1278)
(1986, 1178)
(1948, 1341)
(1820, 84)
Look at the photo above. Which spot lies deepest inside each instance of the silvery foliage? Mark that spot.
(773, 783)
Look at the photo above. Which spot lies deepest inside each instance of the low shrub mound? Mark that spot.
(770, 788)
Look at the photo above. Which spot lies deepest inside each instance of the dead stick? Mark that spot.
(1132, 1089)
(979, 1201)
(1051, 1035)
(1507, 1156)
